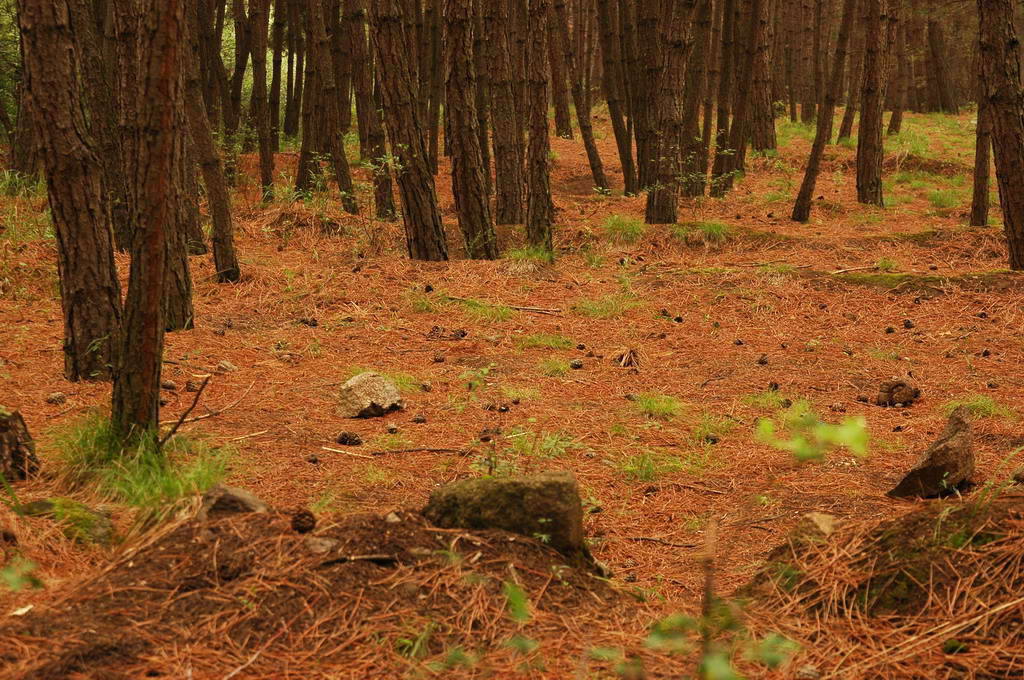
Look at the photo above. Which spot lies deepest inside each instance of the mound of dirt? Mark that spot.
(363, 596)
(930, 594)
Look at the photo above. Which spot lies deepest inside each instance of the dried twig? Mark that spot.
(347, 453)
(181, 420)
(213, 413)
(460, 452)
(660, 541)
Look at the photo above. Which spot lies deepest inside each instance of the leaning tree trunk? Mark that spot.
(89, 290)
(1001, 80)
(424, 232)
(612, 78)
(472, 202)
(539, 207)
(802, 208)
(154, 143)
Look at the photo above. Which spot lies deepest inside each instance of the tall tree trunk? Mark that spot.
(878, 24)
(259, 23)
(692, 144)
(277, 45)
(225, 259)
(808, 39)
(468, 185)
(611, 55)
(762, 113)
(574, 62)
(154, 140)
(483, 87)
(940, 68)
(368, 110)
(89, 290)
(739, 133)
(423, 229)
(559, 89)
(296, 69)
(854, 90)
(233, 110)
(982, 163)
(725, 100)
(509, 180)
(823, 134)
(539, 207)
(902, 79)
(710, 92)
(1001, 79)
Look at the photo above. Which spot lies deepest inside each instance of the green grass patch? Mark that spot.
(712, 428)
(769, 399)
(89, 454)
(648, 466)
(545, 341)
(540, 444)
(531, 254)
(702, 233)
(485, 311)
(887, 264)
(622, 229)
(607, 307)
(553, 367)
(979, 406)
(944, 200)
(657, 406)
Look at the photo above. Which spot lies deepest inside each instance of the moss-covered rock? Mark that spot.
(546, 507)
(79, 522)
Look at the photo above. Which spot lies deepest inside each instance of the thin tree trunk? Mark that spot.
(277, 44)
(982, 162)
(612, 78)
(823, 134)
(725, 88)
(902, 80)
(854, 89)
(468, 185)
(879, 27)
(423, 229)
(259, 18)
(539, 207)
(559, 89)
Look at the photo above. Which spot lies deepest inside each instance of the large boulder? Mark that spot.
(78, 521)
(17, 450)
(369, 395)
(546, 507)
(945, 465)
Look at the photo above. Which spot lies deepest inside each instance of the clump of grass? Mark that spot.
(623, 229)
(776, 268)
(142, 475)
(769, 399)
(541, 444)
(553, 367)
(647, 466)
(531, 254)
(886, 264)
(520, 393)
(979, 406)
(485, 311)
(702, 233)
(887, 354)
(14, 183)
(545, 341)
(944, 200)
(421, 303)
(608, 307)
(657, 406)
(712, 428)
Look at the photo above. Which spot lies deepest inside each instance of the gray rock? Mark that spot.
(369, 395)
(320, 545)
(546, 507)
(945, 465)
(228, 500)
(78, 521)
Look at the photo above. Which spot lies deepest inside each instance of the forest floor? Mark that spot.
(727, 318)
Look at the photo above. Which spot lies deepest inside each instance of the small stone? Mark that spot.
(169, 385)
(226, 366)
(933, 267)
(576, 364)
(318, 545)
(349, 439)
(192, 385)
(56, 398)
(419, 419)
(762, 360)
(908, 324)
(303, 522)
(369, 395)
(228, 500)
(392, 518)
(438, 358)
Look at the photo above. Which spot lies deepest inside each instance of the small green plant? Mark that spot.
(545, 341)
(712, 428)
(477, 378)
(553, 367)
(887, 264)
(417, 644)
(531, 254)
(808, 438)
(608, 307)
(657, 406)
(769, 399)
(648, 466)
(702, 233)
(944, 200)
(485, 311)
(979, 406)
(144, 475)
(541, 444)
(20, 574)
(621, 229)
